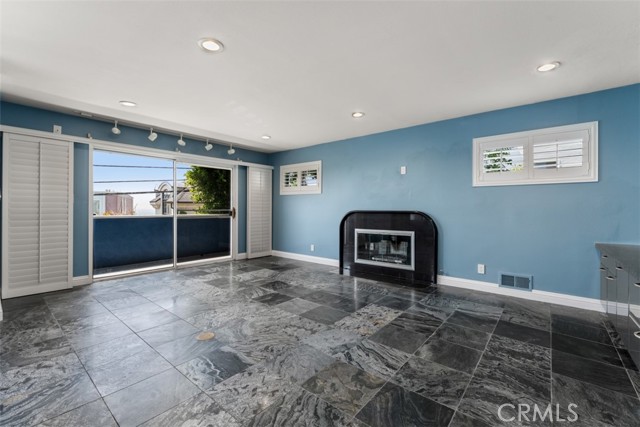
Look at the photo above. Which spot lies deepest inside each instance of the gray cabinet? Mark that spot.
(620, 292)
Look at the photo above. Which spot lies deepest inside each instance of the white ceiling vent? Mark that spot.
(516, 281)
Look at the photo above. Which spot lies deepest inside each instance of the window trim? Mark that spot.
(299, 168)
(528, 175)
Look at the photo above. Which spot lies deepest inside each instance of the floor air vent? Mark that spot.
(516, 281)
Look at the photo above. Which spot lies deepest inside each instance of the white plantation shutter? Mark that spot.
(259, 193)
(560, 154)
(37, 215)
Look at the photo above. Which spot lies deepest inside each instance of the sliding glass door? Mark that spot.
(152, 213)
(203, 213)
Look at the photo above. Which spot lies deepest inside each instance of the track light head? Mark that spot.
(181, 141)
(152, 135)
(231, 151)
(209, 146)
(115, 129)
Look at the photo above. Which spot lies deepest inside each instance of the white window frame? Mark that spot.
(588, 172)
(299, 168)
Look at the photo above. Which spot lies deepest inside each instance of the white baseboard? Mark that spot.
(242, 255)
(315, 259)
(534, 295)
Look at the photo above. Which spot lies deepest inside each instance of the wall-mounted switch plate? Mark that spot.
(481, 269)
(57, 129)
(312, 248)
(403, 170)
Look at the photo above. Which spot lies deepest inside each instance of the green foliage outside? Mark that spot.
(210, 188)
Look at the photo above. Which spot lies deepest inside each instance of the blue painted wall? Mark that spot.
(12, 114)
(548, 231)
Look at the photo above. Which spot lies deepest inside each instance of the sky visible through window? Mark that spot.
(134, 175)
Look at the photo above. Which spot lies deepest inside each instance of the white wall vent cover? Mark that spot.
(516, 281)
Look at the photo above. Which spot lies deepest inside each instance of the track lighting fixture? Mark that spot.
(152, 135)
(181, 141)
(115, 129)
(231, 151)
(208, 147)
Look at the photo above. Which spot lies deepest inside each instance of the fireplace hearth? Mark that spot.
(398, 246)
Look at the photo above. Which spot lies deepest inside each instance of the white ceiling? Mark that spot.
(296, 70)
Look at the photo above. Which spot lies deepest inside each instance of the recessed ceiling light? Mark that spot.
(211, 45)
(548, 67)
(128, 103)
(265, 137)
(357, 114)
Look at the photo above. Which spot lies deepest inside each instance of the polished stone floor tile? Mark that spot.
(452, 355)
(183, 306)
(344, 386)
(455, 334)
(368, 320)
(35, 352)
(578, 330)
(83, 338)
(394, 302)
(447, 300)
(37, 375)
(150, 398)
(432, 380)
(531, 382)
(587, 370)
(486, 394)
(527, 313)
(297, 306)
(273, 298)
(325, 315)
(167, 332)
(401, 339)
(145, 316)
(299, 363)
(95, 414)
(519, 354)
(587, 349)
(65, 313)
(117, 375)
(198, 411)
(111, 351)
(461, 420)
(263, 354)
(88, 322)
(374, 358)
(417, 322)
(301, 408)
(250, 392)
(19, 340)
(186, 348)
(523, 333)
(589, 318)
(593, 405)
(40, 404)
(213, 367)
(333, 341)
(484, 322)
(394, 406)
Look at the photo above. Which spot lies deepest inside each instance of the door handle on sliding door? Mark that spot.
(232, 213)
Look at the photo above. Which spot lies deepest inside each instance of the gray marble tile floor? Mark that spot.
(296, 344)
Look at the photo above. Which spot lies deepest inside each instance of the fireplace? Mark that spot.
(395, 246)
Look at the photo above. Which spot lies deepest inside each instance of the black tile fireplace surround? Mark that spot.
(400, 246)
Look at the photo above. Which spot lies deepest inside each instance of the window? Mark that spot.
(301, 178)
(544, 156)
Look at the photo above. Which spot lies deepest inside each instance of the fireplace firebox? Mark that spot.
(396, 246)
